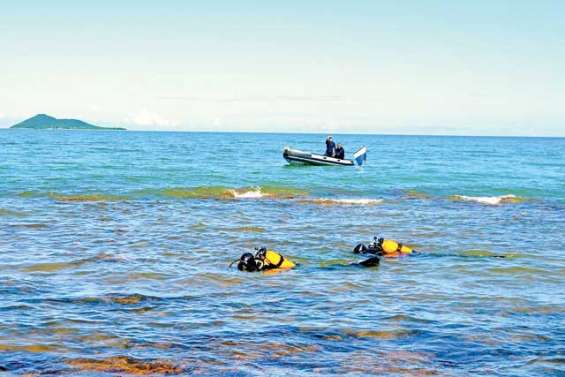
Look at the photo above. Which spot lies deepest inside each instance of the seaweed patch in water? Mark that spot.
(125, 364)
(95, 197)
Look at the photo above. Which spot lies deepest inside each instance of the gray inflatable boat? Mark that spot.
(295, 156)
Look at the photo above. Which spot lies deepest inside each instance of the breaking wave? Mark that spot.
(343, 201)
(203, 192)
(488, 200)
(226, 193)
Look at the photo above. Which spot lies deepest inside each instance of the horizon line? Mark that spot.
(293, 133)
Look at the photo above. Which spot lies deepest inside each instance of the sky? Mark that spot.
(475, 67)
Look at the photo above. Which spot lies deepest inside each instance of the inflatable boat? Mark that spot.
(294, 156)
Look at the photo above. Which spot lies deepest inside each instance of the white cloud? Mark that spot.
(146, 118)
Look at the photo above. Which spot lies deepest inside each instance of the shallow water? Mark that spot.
(114, 251)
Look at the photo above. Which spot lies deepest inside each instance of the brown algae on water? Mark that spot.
(54, 266)
(210, 192)
(379, 334)
(250, 351)
(11, 213)
(248, 229)
(125, 364)
(227, 193)
(94, 197)
(58, 266)
(488, 200)
(284, 192)
(519, 270)
(277, 349)
(31, 225)
(29, 348)
(129, 299)
(206, 278)
(415, 194)
(99, 338)
(488, 253)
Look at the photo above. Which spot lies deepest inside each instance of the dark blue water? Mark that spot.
(116, 244)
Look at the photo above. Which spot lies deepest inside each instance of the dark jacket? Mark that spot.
(330, 148)
(340, 153)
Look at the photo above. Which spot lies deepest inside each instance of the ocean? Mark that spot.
(115, 249)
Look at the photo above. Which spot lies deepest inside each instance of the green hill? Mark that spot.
(46, 122)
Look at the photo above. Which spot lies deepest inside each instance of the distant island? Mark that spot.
(46, 122)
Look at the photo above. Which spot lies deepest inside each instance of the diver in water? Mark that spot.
(268, 260)
(339, 152)
(263, 260)
(330, 147)
(385, 248)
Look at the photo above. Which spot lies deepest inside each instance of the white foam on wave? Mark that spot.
(346, 201)
(250, 194)
(489, 200)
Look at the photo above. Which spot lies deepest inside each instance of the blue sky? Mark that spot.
(404, 67)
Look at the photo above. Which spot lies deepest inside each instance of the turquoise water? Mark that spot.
(116, 244)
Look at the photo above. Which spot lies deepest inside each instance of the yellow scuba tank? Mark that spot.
(391, 247)
(275, 260)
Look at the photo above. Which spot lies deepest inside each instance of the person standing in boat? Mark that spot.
(339, 152)
(330, 147)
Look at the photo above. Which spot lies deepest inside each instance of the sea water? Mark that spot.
(115, 246)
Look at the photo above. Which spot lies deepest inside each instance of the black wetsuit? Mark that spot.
(340, 153)
(330, 148)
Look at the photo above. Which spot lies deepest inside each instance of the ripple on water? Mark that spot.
(100, 339)
(205, 278)
(488, 253)
(11, 213)
(58, 266)
(251, 351)
(519, 270)
(395, 363)
(37, 226)
(136, 276)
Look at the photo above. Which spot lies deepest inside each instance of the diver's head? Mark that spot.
(247, 263)
(359, 249)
